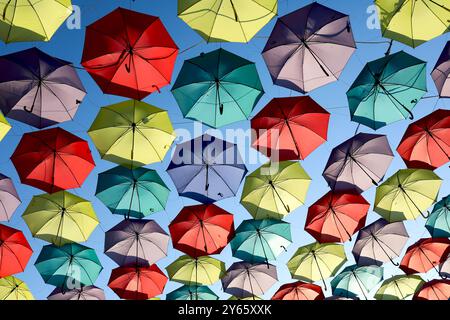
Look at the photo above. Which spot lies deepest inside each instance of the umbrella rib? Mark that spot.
(432, 11)
(39, 18)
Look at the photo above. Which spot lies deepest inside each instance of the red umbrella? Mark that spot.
(293, 127)
(426, 142)
(336, 217)
(299, 291)
(137, 283)
(53, 160)
(129, 54)
(434, 290)
(425, 255)
(202, 230)
(15, 251)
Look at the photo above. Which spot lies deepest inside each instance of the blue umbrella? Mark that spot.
(438, 223)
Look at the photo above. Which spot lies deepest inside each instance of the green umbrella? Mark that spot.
(355, 281)
(196, 271)
(192, 293)
(399, 287)
(438, 223)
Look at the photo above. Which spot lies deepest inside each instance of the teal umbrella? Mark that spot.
(354, 281)
(438, 223)
(70, 266)
(261, 240)
(192, 293)
(217, 88)
(132, 193)
(387, 90)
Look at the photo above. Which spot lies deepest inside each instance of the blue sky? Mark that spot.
(68, 44)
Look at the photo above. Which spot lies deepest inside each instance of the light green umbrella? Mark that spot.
(12, 288)
(203, 270)
(400, 287)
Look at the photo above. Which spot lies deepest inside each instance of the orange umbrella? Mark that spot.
(434, 290)
(299, 291)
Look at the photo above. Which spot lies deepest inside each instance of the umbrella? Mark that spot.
(444, 268)
(290, 128)
(83, 293)
(307, 55)
(15, 251)
(227, 20)
(196, 271)
(137, 283)
(24, 20)
(132, 192)
(261, 240)
(202, 230)
(299, 291)
(358, 163)
(9, 198)
(407, 194)
(132, 133)
(4, 126)
(217, 88)
(136, 242)
(336, 217)
(387, 90)
(441, 73)
(434, 290)
(68, 267)
(438, 223)
(129, 54)
(244, 279)
(275, 189)
(192, 293)
(355, 281)
(426, 142)
(38, 89)
(380, 242)
(317, 261)
(252, 298)
(60, 218)
(340, 298)
(207, 169)
(12, 288)
(52, 160)
(399, 287)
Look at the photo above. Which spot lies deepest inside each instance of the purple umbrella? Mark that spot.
(38, 89)
(136, 242)
(309, 48)
(84, 293)
(441, 73)
(9, 198)
(358, 163)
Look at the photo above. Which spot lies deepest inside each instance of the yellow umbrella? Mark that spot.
(4, 126)
(196, 271)
(12, 288)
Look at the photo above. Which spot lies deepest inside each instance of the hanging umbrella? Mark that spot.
(132, 193)
(317, 261)
(407, 194)
(438, 223)
(399, 287)
(137, 283)
(426, 142)
(261, 240)
(196, 271)
(202, 230)
(387, 90)
(38, 89)
(275, 189)
(69, 266)
(252, 298)
(299, 291)
(217, 88)
(84, 293)
(60, 218)
(244, 279)
(340, 298)
(12, 288)
(136, 242)
(129, 54)
(441, 73)
(305, 56)
(15, 251)
(290, 128)
(207, 169)
(358, 163)
(52, 160)
(24, 20)
(434, 290)
(380, 242)
(444, 268)
(355, 281)
(192, 293)
(4, 126)
(9, 198)
(336, 217)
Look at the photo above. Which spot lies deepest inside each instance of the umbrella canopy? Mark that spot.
(299, 291)
(275, 189)
(192, 293)
(24, 20)
(253, 298)
(407, 194)
(12, 288)
(53, 160)
(441, 73)
(202, 230)
(290, 128)
(399, 287)
(129, 54)
(84, 293)
(305, 56)
(136, 242)
(438, 223)
(9, 198)
(132, 192)
(434, 290)
(355, 281)
(196, 271)
(132, 133)
(60, 218)
(358, 163)
(15, 251)
(217, 88)
(4, 126)
(336, 217)
(38, 89)
(207, 169)
(387, 90)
